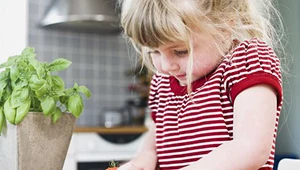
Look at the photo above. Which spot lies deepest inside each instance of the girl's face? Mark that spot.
(172, 58)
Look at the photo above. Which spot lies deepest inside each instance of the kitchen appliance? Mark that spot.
(90, 151)
(94, 151)
(82, 15)
(133, 113)
(111, 117)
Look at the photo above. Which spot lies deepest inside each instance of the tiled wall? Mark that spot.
(98, 61)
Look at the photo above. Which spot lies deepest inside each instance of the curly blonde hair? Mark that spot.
(151, 23)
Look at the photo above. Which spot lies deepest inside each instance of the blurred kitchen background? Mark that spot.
(106, 64)
(101, 59)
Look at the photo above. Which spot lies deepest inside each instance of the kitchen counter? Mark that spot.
(113, 130)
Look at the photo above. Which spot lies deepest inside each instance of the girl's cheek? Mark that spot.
(157, 64)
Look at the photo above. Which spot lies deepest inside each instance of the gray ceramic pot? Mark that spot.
(36, 143)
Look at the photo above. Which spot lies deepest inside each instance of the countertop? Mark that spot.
(113, 130)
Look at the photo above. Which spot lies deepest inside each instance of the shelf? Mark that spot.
(114, 130)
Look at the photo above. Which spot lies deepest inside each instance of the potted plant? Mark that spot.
(37, 112)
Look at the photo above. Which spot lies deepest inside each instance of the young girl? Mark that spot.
(216, 94)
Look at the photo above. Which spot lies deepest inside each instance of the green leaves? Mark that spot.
(59, 64)
(85, 91)
(2, 119)
(75, 105)
(27, 84)
(39, 69)
(19, 96)
(58, 85)
(14, 72)
(22, 111)
(48, 105)
(56, 115)
(15, 115)
(10, 61)
(28, 53)
(9, 111)
(39, 86)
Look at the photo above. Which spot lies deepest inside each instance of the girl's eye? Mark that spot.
(181, 53)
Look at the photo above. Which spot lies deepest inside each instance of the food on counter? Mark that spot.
(113, 165)
(112, 168)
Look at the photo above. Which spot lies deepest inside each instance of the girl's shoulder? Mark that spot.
(252, 48)
(251, 44)
(251, 62)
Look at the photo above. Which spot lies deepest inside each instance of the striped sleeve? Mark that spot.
(253, 62)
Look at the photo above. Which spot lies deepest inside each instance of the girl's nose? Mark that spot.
(169, 64)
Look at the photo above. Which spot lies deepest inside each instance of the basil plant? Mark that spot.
(27, 84)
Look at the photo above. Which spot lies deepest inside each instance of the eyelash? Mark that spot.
(178, 53)
(184, 52)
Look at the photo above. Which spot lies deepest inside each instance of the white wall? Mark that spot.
(13, 27)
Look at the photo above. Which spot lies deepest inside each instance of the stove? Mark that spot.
(89, 150)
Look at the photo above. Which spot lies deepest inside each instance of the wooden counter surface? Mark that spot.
(114, 130)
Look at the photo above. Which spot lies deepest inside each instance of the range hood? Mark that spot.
(82, 15)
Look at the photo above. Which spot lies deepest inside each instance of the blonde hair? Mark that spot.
(151, 23)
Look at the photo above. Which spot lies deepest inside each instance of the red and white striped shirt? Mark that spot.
(187, 130)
